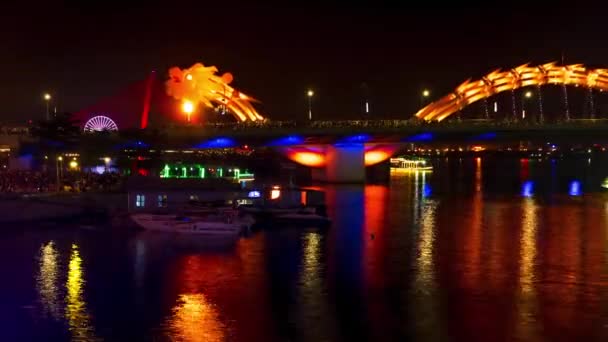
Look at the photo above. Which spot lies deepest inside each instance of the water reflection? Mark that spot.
(312, 301)
(426, 300)
(425, 276)
(575, 188)
(76, 313)
(47, 279)
(475, 263)
(195, 319)
(527, 302)
(139, 266)
(193, 316)
(527, 189)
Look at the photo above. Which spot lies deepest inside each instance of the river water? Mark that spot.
(477, 250)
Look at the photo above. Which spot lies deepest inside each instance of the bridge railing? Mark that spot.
(4, 130)
(392, 125)
(314, 124)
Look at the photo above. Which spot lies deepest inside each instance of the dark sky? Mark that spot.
(83, 52)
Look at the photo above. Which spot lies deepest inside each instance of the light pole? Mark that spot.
(425, 95)
(310, 94)
(59, 167)
(527, 95)
(47, 99)
(106, 161)
(188, 108)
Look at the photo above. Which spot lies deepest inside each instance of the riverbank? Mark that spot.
(61, 206)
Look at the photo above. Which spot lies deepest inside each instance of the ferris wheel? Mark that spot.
(100, 123)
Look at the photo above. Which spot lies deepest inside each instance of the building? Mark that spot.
(151, 194)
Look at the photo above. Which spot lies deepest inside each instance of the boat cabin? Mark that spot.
(149, 194)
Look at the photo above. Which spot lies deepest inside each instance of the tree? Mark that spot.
(60, 133)
(62, 129)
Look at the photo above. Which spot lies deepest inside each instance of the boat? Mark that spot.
(274, 202)
(410, 164)
(219, 224)
(273, 211)
(303, 218)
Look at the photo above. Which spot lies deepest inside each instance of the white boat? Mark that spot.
(412, 164)
(224, 224)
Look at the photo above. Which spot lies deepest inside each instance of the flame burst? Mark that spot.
(199, 84)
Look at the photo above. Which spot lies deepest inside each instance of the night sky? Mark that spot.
(84, 53)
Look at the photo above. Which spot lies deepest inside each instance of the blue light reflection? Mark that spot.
(575, 188)
(527, 189)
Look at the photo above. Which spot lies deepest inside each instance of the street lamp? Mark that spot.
(188, 108)
(107, 161)
(425, 94)
(59, 171)
(310, 94)
(47, 99)
(527, 95)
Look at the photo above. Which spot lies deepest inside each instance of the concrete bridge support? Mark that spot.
(345, 163)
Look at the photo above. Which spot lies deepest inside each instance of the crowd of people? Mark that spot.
(14, 181)
(25, 181)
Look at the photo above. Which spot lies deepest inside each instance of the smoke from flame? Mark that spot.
(200, 84)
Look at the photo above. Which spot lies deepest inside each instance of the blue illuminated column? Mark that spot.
(345, 163)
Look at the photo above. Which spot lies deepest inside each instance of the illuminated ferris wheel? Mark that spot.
(100, 123)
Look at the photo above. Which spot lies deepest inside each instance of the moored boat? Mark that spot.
(226, 224)
(303, 218)
(410, 164)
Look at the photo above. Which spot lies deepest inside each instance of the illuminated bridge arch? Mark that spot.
(504, 80)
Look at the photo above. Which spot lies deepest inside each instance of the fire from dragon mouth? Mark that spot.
(200, 85)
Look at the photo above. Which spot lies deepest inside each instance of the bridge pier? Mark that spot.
(345, 163)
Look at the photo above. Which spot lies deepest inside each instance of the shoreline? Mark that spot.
(55, 207)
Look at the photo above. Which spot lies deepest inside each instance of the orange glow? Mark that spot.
(378, 154)
(316, 157)
(375, 157)
(194, 318)
(275, 193)
(307, 158)
(187, 107)
(201, 85)
(522, 76)
(477, 149)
